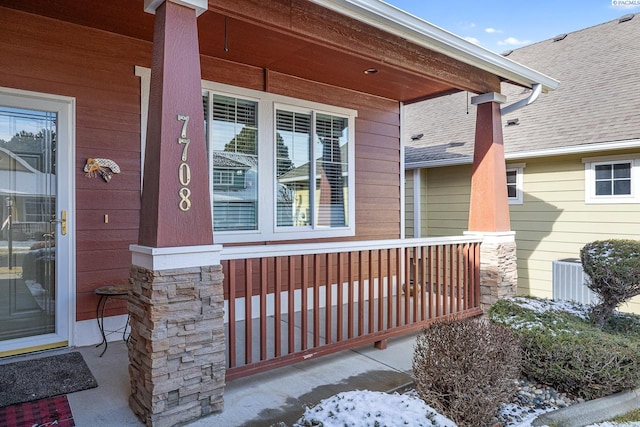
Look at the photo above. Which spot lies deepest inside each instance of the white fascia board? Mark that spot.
(467, 160)
(576, 149)
(549, 152)
(393, 20)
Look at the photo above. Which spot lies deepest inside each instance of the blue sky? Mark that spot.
(502, 25)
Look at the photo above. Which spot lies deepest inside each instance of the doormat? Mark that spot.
(54, 411)
(36, 379)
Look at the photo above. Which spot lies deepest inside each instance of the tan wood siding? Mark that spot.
(553, 223)
(408, 205)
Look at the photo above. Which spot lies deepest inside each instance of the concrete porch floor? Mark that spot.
(279, 395)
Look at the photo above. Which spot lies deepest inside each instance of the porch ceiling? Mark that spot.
(294, 37)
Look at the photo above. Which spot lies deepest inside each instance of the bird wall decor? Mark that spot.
(103, 167)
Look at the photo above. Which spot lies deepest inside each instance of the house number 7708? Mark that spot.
(184, 171)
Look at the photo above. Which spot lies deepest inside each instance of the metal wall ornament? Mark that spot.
(103, 167)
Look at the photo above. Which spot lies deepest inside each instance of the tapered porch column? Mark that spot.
(489, 205)
(177, 344)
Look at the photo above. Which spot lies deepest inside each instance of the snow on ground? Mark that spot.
(362, 408)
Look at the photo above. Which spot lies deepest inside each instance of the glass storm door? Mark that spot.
(34, 307)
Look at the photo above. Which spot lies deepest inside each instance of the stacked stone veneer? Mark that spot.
(498, 272)
(177, 344)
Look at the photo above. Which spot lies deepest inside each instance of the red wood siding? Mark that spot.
(97, 68)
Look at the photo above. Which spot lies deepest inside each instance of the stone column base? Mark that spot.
(498, 267)
(177, 345)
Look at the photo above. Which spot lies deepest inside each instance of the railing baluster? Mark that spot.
(304, 324)
(423, 282)
(437, 282)
(291, 306)
(432, 282)
(263, 308)
(380, 291)
(361, 302)
(316, 301)
(406, 275)
(398, 285)
(350, 296)
(232, 313)
(451, 281)
(390, 295)
(248, 318)
(416, 282)
(329, 303)
(371, 296)
(340, 315)
(278, 306)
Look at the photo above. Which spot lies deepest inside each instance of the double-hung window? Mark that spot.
(514, 183)
(612, 179)
(280, 168)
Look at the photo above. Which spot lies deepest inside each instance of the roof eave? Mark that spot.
(545, 152)
(389, 18)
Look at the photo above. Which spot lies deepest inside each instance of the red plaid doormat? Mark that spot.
(54, 411)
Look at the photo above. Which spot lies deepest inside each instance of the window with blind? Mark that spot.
(279, 166)
(233, 142)
(311, 193)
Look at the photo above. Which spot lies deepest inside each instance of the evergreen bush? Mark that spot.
(613, 267)
(567, 352)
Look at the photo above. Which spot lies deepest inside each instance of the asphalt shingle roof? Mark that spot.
(598, 99)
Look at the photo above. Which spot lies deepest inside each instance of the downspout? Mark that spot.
(535, 92)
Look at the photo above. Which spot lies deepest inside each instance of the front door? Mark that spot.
(35, 227)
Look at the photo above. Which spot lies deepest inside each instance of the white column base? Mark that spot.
(156, 259)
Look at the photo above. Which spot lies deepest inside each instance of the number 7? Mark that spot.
(185, 119)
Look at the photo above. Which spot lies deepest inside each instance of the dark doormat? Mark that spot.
(54, 411)
(36, 379)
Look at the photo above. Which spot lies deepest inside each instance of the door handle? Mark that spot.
(62, 221)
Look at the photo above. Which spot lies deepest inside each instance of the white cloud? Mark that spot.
(512, 41)
(472, 40)
(492, 30)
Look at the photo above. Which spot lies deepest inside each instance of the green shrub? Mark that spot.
(567, 352)
(613, 267)
(465, 369)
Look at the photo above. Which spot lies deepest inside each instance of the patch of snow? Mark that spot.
(365, 408)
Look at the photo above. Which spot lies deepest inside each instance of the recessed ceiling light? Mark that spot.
(371, 71)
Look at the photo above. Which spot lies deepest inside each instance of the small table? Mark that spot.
(106, 292)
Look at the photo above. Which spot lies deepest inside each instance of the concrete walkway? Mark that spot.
(280, 395)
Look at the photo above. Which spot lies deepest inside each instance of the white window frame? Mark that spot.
(267, 229)
(267, 104)
(519, 170)
(590, 164)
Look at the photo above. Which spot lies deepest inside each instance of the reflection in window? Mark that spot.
(331, 182)
(613, 179)
(293, 142)
(234, 139)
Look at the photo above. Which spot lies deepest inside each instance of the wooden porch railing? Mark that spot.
(288, 303)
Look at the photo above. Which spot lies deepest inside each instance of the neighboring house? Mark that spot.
(25, 205)
(220, 247)
(572, 157)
